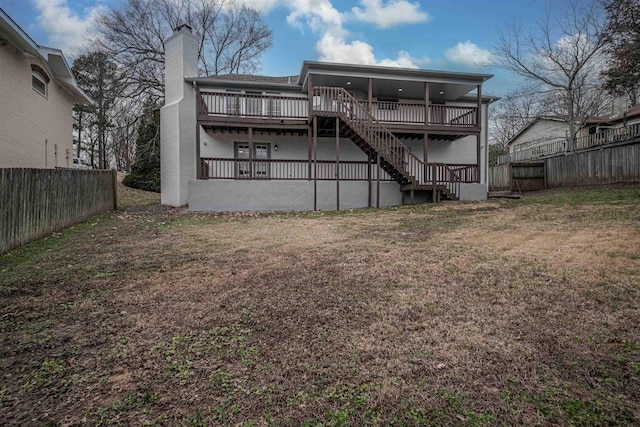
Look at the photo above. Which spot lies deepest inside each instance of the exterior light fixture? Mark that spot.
(275, 147)
(399, 89)
(441, 92)
(348, 82)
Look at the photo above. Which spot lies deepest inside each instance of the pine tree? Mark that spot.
(145, 171)
(623, 46)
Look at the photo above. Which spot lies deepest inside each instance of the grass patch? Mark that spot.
(505, 312)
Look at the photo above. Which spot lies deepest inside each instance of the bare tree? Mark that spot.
(231, 38)
(563, 57)
(100, 78)
(125, 118)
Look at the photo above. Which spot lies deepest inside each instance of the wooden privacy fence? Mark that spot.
(601, 166)
(528, 176)
(606, 165)
(37, 202)
(500, 178)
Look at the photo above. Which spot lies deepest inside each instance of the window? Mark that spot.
(261, 156)
(38, 84)
(39, 80)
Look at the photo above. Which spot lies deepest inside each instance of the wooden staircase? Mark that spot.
(395, 158)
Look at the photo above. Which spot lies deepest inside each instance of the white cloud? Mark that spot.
(65, 29)
(334, 44)
(469, 54)
(320, 15)
(389, 14)
(336, 49)
(405, 60)
(261, 5)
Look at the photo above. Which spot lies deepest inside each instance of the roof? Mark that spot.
(292, 80)
(398, 73)
(611, 118)
(53, 58)
(248, 81)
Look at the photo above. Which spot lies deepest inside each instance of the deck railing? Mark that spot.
(254, 105)
(561, 145)
(297, 107)
(289, 169)
(296, 169)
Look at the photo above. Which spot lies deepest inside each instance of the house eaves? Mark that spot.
(53, 58)
(260, 82)
(388, 73)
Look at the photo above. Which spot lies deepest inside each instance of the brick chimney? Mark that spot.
(178, 117)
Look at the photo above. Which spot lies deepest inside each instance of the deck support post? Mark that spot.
(370, 96)
(478, 156)
(426, 104)
(479, 124)
(378, 180)
(337, 164)
(315, 163)
(310, 152)
(411, 196)
(198, 161)
(369, 178)
(433, 183)
(250, 153)
(425, 157)
(309, 114)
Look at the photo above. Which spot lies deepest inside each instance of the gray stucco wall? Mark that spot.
(239, 195)
(469, 192)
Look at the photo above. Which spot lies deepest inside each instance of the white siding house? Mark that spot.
(37, 93)
(334, 136)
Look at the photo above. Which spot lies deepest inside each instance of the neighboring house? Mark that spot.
(538, 132)
(334, 136)
(37, 94)
(547, 136)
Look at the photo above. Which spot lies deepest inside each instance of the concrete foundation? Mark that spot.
(240, 195)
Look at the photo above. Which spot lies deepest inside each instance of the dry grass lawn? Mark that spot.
(505, 312)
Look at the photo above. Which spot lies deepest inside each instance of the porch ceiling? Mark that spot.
(389, 88)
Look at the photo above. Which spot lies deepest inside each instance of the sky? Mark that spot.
(448, 35)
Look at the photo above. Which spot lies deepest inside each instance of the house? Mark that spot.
(334, 136)
(38, 92)
(547, 136)
(539, 132)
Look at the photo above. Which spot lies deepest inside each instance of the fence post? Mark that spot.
(114, 177)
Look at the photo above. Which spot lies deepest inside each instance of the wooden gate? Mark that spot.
(528, 176)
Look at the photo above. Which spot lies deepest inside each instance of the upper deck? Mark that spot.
(295, 111)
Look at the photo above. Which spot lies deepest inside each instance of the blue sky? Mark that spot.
(449, 35)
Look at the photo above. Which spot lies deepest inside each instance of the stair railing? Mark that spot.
(338, 101)
(357, 116)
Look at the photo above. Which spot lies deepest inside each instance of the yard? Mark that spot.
(505, 312)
